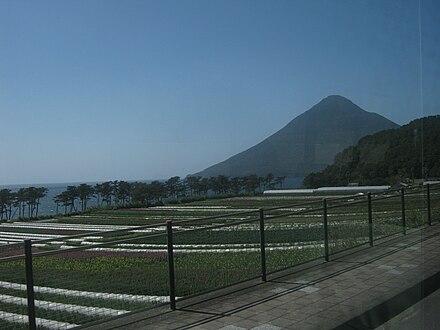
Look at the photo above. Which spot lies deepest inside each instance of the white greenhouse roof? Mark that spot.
(355, 188)
(430, 182)
(325, 189)
(288, 191)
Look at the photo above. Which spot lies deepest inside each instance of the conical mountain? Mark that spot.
(306, 144)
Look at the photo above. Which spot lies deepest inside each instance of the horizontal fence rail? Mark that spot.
(53, 283)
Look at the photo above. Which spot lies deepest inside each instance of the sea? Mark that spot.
(49, 207)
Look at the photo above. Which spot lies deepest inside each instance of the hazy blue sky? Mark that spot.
(97, 90)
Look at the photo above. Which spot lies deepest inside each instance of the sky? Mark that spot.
(132, 90)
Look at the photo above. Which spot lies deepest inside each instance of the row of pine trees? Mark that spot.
(25, 202)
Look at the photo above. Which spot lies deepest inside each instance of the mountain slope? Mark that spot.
(307, 144)
(411, 151)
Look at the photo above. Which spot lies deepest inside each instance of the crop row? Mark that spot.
(81, 287)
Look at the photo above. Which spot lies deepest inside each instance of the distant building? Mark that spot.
(425, 181)
(431, 182)
(352, 189)
(288, 191)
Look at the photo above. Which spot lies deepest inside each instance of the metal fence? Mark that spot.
(81, 279)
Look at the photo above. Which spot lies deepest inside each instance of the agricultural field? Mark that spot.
(84, 271)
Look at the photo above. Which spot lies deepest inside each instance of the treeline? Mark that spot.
(174, 190)
(23, 203)
(388, 157)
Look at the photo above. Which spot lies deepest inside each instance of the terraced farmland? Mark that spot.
(110, 262)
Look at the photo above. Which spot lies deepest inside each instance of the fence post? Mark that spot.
(428, 196)
(262, 246)
(370, 220)
(326, 250)
(403, 211)
(30, 284)
(172, 285)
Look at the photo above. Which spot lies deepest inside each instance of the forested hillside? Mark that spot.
(388, 157)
